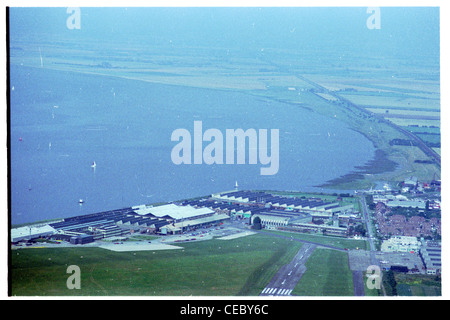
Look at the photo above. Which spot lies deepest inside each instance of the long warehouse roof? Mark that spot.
(173, 211)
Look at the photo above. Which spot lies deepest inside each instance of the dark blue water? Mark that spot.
(68, 120)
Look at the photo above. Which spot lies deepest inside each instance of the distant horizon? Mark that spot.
(405, 31)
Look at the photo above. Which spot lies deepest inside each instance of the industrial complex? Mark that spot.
(291, 213)
(230, 214)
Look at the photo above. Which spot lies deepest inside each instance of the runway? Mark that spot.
(288, 276)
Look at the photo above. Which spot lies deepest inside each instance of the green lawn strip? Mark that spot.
(209, 268)
(327, 274)
(337, 242)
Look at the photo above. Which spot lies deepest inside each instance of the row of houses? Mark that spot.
(399, 225)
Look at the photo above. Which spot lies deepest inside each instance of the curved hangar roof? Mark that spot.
(172, 211)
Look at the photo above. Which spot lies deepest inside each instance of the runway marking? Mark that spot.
(277, 291)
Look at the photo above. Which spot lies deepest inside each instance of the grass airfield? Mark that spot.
(216, 267)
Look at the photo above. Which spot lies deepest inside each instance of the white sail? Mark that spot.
(40, 54)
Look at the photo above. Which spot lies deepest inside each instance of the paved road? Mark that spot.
(288, 276)
(358, 283)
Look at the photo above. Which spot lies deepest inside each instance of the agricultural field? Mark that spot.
(411, 102)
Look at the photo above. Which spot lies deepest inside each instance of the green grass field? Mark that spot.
(209, 268)
(337, 242)
(327, 274)
(418, 285)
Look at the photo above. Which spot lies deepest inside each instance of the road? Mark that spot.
(373, 259)
(289, 275)
(373, 250)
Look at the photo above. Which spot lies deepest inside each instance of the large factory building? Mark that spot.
(181, 218)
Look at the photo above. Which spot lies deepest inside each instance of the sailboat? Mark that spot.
(40, 55)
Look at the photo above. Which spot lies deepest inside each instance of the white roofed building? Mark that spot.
(181, 217)
(31, 232)
(173, 212)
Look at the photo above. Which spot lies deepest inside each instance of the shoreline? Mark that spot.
(379, 165)
(359, 177)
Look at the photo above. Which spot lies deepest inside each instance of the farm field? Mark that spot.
(388, 113)
(412, 103)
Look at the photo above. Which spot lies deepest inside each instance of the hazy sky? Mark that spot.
(411, 30)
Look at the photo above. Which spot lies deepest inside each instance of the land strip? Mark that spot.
(287, 277)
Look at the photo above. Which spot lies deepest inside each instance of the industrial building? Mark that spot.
(431, 256)
(401, 244)
(181, 217)
(31, 232)
(165, 219)
(282, 212)
(274, 211)
(82, 239)
(400, 262)
(316, 228)
(271, 219)
(311, 205)
(102, 224)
